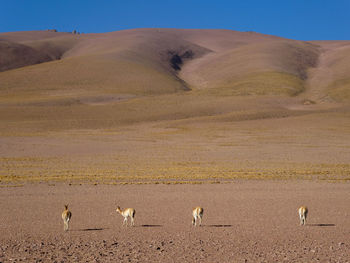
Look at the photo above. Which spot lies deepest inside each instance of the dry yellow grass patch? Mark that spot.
(16, 171)
(263, 83)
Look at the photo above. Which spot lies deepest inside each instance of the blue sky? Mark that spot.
(296, 19)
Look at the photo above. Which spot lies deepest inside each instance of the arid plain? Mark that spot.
(249, 126)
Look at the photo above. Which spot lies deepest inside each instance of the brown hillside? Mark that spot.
(15, 55)
(172, 105)
(19, 49)
(131, 76)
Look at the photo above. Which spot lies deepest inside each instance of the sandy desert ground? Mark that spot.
(245, 221)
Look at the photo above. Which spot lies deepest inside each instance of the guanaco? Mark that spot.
(128, 212)
(66, 216)
(303, 214)
(197, 214)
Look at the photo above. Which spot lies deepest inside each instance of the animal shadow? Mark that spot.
(217, 225)
(322, 225)
(151, 226)
(90, 229)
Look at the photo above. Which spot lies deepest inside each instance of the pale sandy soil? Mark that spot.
(245, 221)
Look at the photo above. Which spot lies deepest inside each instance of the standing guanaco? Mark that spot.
(128, 212)
(303, 214)
(66, 216)
(197, 214)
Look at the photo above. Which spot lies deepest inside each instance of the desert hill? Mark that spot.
(172, 104)
(108, 79)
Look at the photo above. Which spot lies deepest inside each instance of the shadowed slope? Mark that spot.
(329, 81)
(19, 49)
(338, 62)
(268, 67)
(14, 55)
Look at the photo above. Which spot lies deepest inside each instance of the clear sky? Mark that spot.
(296, 19)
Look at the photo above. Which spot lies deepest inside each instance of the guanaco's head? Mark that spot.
(66, 207)
(118, 209)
